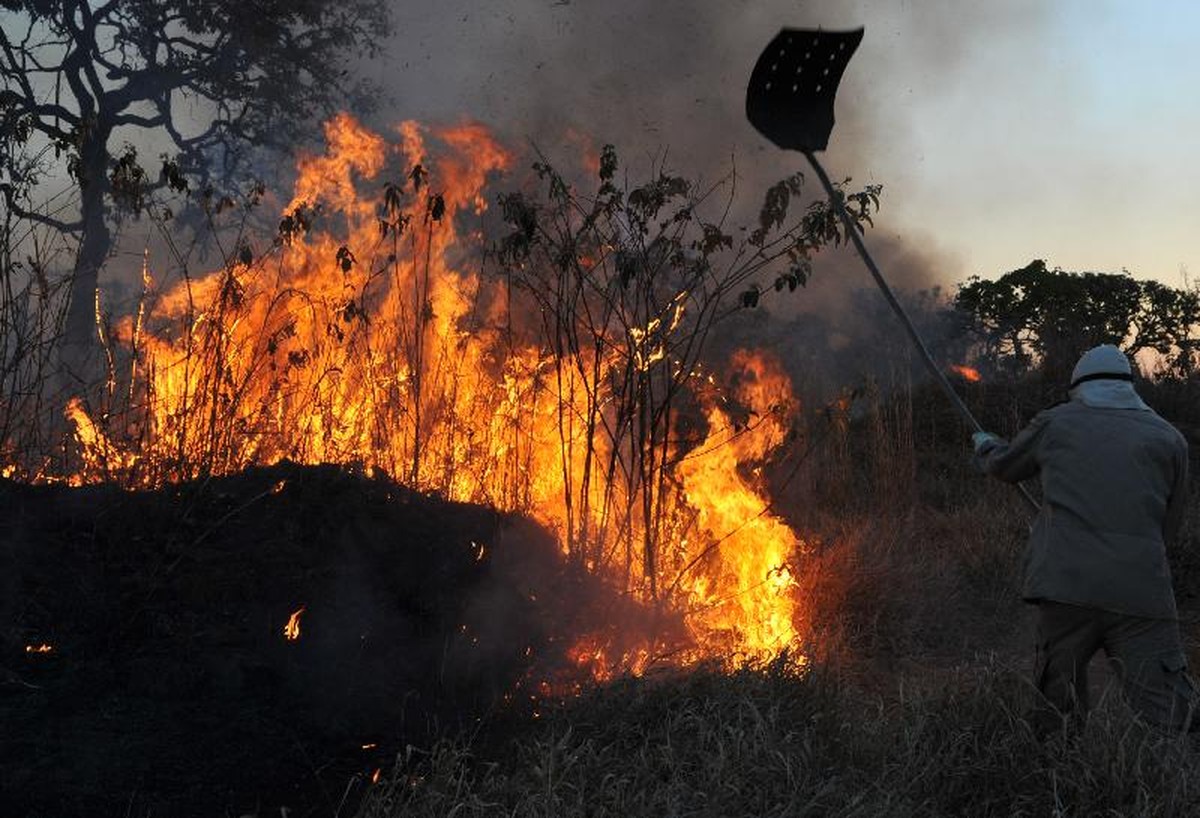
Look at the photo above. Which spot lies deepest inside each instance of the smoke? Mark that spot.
(670, 76)
(665, 82)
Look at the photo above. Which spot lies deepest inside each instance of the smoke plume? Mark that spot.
(665, 82)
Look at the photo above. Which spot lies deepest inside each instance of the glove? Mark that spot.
(984, 442)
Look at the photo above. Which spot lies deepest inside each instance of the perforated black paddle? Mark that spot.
(790, 101)
(793, 85)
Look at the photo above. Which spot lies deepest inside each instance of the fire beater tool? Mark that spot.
(790, 101)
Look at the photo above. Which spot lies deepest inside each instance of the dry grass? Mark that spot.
(774, 741)
(912, 702)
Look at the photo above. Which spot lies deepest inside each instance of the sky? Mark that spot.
(1000, 131)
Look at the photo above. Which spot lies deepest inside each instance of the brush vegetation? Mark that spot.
(910, 694)
(911, 697)
(779, 740)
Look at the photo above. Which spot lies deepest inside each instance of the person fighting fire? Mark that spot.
(1114, 484)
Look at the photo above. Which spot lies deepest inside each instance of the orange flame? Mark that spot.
(368, 334)
(291, 630)
(96, 448)
(42, 648)
(967, 373)
(747, 592)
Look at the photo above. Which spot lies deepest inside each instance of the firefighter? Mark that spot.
(1114, 487)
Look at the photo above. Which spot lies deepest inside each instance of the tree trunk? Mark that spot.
(81, 357)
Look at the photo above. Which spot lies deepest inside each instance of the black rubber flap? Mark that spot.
(790, 96)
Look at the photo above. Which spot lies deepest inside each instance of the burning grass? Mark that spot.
(551, 359)
(694, 515)
(912, 570)
(912, 699)
(886, 713)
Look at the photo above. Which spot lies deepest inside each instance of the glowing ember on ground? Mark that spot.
(292, 629)
(42, 648)
(967, 373)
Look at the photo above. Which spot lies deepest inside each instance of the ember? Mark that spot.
(42, 648)
(967, 373)
(291, 630)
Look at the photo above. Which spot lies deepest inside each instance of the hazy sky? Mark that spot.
(1001, 131)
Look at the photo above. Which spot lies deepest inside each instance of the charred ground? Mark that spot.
(170, 687)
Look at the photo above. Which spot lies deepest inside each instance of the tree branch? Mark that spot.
(91, 45)
(156, 121)
(10, 201)
(18, 65)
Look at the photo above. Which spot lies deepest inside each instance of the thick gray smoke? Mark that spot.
(669, 78)
(665, 74)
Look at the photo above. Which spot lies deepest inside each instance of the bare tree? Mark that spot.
(79, 77)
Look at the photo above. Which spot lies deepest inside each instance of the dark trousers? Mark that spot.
(1147, 655)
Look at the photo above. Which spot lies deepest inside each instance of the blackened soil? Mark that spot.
(170, 689)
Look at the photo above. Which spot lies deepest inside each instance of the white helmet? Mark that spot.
(1104, 362)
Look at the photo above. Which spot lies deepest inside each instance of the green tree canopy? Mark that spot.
(1036, 315)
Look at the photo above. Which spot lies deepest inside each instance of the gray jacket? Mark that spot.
(1114, 485)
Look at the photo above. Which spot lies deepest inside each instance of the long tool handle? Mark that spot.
(931, 365)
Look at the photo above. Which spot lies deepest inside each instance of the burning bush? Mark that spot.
(567, 374)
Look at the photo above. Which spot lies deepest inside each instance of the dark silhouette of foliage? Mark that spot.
(78, 78)
(1048, 317)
